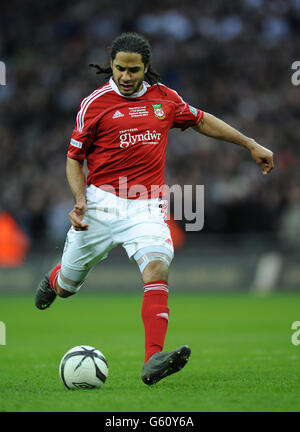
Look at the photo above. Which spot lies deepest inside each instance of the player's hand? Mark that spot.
(262, 157)
(76, 215)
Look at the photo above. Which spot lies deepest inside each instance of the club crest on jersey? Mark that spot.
(158, 111)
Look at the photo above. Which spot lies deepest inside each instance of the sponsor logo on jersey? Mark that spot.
(117, 114)
(75, 143)
(158, 111)
(149, 137)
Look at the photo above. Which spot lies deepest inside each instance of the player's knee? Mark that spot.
(67, 286)
(63, 293)
(155, 270)
(154, 263)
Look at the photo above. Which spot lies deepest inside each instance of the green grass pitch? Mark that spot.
(242, 356)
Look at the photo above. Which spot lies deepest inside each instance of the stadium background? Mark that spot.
(232, 59)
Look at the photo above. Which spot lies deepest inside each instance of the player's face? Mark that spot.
(128, 72)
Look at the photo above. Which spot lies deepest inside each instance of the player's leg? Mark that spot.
(156, 270)
(53, 281)
(49, 288)
(147, 239)
(155, 310)
(154, 264)
(83, 249)
(155, 316)
(62, 292)
(67, 278)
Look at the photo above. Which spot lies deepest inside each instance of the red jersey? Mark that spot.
(124, 138)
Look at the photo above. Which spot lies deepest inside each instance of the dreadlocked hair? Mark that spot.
(135, 43)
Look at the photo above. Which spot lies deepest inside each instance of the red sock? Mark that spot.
(54, 275)
(155, 315)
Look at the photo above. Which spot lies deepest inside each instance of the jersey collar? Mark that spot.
(134, 95)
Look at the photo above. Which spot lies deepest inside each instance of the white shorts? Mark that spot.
(134, 224)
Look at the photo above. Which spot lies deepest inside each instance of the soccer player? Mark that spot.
(121, 130)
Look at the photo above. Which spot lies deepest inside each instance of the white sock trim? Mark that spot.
(159, 287)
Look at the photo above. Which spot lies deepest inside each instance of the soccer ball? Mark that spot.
(83, 367)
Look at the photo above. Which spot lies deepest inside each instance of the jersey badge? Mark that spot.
(158, 111)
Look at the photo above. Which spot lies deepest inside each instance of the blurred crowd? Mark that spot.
(232, 59)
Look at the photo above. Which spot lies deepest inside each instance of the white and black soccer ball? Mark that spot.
(83, 367)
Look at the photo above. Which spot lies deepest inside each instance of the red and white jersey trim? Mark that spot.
(85, 104)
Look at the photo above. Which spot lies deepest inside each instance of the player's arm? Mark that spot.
(216, 128)
(76, 179)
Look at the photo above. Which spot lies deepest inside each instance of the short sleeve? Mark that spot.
(83, 133)
(185, 115)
